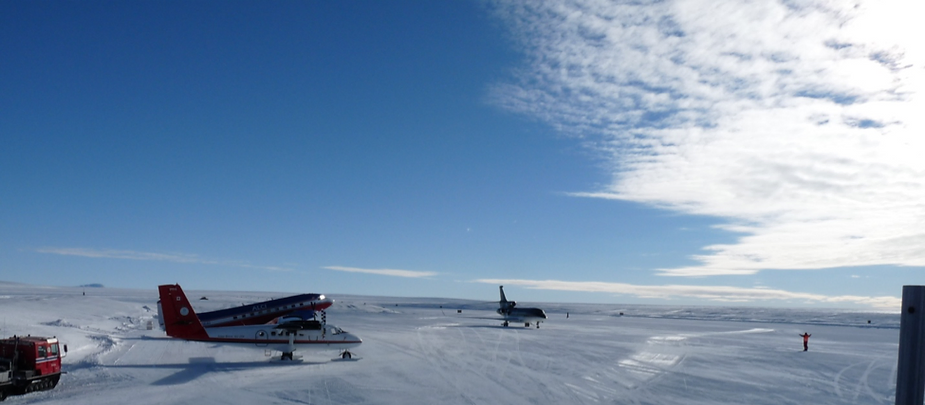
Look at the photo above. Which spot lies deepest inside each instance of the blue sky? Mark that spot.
(680, 152)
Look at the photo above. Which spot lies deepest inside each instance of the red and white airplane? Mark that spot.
(286, 335)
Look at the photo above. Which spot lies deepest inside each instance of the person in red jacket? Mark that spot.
(805, 337)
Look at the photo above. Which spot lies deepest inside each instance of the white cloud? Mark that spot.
(712, 293)
(799, 122)
(167, 257)
(384, 272)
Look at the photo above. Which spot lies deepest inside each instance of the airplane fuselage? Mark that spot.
(326, 337)
(524, 315)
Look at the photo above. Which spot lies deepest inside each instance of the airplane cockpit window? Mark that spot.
(335, 330)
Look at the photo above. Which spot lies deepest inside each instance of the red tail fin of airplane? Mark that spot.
(180, 320)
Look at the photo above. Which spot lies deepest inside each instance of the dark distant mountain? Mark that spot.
(94, 285)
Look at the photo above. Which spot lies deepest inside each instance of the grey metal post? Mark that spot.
(910, 370)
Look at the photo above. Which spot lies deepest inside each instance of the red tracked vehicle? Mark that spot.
(29, 364)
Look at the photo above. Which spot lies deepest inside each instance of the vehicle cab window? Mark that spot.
(42, 352)
(54, 350)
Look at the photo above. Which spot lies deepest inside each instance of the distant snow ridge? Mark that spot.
(371, 308)
(128, 323)
(61, 323)
(830, 317)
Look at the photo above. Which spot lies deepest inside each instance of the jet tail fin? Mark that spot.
(505, 305)
(180, 321)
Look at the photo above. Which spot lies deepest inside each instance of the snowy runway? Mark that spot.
(414, 351)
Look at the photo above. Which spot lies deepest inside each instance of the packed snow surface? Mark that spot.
(433, 350)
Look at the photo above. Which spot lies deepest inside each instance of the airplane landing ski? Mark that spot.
(346, 356)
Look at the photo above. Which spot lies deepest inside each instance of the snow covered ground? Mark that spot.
(420, 350)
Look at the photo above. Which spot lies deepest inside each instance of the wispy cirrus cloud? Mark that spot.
(385, 272)
(167, 257)
(797, 122)
(712, 293)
